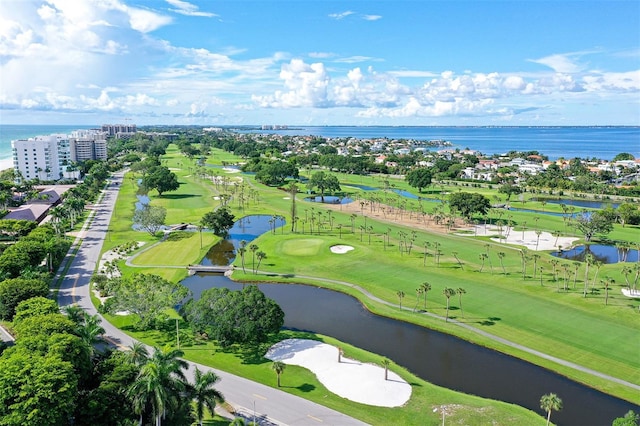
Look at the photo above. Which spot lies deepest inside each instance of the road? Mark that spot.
(269, 406)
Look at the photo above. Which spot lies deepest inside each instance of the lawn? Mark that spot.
(542, 317)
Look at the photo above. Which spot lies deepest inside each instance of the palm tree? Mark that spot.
(386, 363)
(460, 292)
(455, 254)
(549, 402)
(137, 353)
(483, 257)
(260, 255)
(501, 256)
(425, 286)
(159, 383)
(253, 248)
(90, 331)
(419, 291)
(278, 367)
(448, 292)
(536, 257)
(204, 394)
(400, 295)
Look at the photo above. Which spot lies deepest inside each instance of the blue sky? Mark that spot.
(223, 62)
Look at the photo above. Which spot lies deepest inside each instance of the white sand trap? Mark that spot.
(631, 293)
(530, 240)
(286, 198)
(350, 379)
(340, 249)
(231, 170)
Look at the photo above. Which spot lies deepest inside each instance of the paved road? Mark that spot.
(268, 405)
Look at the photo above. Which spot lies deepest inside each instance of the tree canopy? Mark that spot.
(219, 221)
(468, 204)
(244, 317)
(593, 223)
(323, 182)
(161, 179)
(16, 290)
(150, 218)
(419, 178)
(147, 296)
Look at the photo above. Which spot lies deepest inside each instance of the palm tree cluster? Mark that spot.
(161, 387)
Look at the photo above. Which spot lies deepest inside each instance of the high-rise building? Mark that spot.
(88, 145)
(119, 130)
(49, 157)
(41, 157)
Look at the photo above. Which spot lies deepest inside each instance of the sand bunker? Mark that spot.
(350, 379)
(340, 249)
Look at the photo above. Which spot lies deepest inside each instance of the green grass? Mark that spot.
(563, 324)
(250, 363)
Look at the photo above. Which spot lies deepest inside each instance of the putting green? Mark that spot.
(302, 247)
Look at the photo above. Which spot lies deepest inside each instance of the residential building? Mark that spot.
(42, 157)
(88, 145)
(117, 130)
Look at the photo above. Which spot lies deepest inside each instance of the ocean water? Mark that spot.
(555, 142)
(12, 131)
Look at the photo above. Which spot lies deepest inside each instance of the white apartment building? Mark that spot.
(41, 157)
(88, 145)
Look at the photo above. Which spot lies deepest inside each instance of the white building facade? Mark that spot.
(42, 157)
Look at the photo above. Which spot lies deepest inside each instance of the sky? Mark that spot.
(299, 62)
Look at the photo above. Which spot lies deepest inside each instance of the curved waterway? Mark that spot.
(436, 357)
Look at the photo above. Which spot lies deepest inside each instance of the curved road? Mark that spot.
(269, 406)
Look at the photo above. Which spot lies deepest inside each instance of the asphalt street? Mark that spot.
(269, 406)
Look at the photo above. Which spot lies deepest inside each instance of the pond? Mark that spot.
(439, 358)
(600, 252)
(589, 204)
(363, 187)
(329, 199)
(248, 229)
(436, 357)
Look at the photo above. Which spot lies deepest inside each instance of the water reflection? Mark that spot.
(599, 252)
(329, 199)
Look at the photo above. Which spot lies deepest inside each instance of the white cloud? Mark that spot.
(341, 15)
(306, 84)
(188, 9)
(146, 21)
(371, 17)
(562, 63)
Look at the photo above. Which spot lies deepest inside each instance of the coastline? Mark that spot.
(6, 163)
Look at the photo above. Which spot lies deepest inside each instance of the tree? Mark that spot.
(245, 317)
(400, 295)
(623, 156)
(34, 307)
(261, 256)
(16, 290)
(501, 256)
(468, 204)
(324, 182)
(145, 295)
(278, 367)
(460, 292)
(204, 394)
(36, 389)
(549, 402)
(386, 363)
(425, 286)
(150, 218)
(592, 223)
(419, 178)
(628, 213)
(448, 292)
(161, 179)
(219, 221)
(293, 191)
(631, 418)
(509, 189)
(160, 384)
